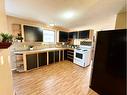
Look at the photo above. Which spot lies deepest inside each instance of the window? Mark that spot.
(48, 36)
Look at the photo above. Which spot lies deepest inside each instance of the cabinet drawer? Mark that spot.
(70, 52)
(71, 55)
(70, 59)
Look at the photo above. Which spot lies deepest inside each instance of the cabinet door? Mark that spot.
(36, 32)
(31, 61)
(51, 57)
(73, 35)
(42, 59)
(63, 36)
(84, 34)
(56, 56)
(65, 54)
(61, 55)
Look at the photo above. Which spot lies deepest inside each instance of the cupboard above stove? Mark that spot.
(73, 35)
(85, 34)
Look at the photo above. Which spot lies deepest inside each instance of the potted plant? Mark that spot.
(19, 37)
(6, 40)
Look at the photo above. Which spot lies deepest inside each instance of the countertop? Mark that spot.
(40, 50)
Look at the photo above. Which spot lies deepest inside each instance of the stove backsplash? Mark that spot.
(87, 43)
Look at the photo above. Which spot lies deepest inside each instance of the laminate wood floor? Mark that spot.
(63, 78)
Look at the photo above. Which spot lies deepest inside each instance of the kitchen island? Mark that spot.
(36, 58)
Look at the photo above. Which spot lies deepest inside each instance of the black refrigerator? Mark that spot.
(109, 67)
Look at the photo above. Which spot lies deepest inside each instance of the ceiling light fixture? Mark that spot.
(68, 15)
(52, 24)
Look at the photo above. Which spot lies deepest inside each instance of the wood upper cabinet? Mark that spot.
(63, 36)
(73, 35)
(42, 59)
(32, 34)
(31, 61)
(84, 34)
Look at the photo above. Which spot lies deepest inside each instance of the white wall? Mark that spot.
(3, 23)
(118, 21)
(6, 87)
(107, 23)
(121, 21)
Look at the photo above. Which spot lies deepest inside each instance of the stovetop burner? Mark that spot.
(78, 49)
(84, 50)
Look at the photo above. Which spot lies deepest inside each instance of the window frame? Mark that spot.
(54, 35)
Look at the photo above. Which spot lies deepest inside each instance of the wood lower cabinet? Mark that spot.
(70, 55)
(42, 59)
(31, 61)
(61, 55)
(65, 54)
(56, 56)
(51, 57)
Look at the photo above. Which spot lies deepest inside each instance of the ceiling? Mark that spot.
(66, 13)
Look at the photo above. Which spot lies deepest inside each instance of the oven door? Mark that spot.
(78, 56)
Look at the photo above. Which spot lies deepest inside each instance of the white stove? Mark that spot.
(82, 55)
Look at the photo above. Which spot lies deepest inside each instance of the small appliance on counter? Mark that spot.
(82, 55)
